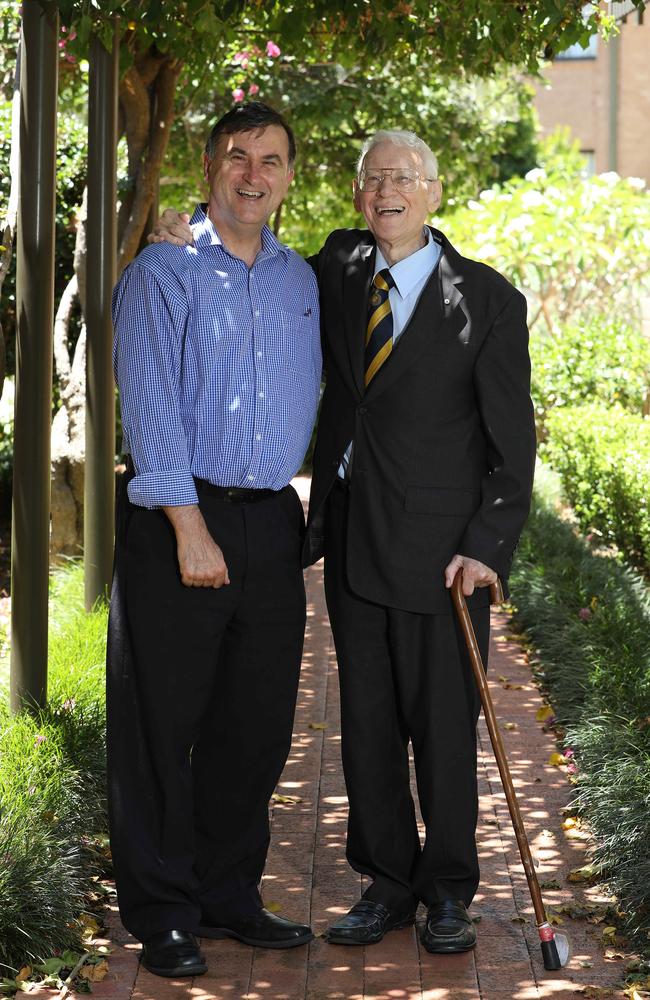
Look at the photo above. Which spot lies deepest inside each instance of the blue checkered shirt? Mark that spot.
(218, 366)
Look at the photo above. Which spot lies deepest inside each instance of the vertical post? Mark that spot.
(614, 55)
(99, 490)
(30, 534)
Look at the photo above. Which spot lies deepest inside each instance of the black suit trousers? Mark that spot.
(202, 687)
(405, 676)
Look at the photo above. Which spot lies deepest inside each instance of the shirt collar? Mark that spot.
(206, 235)
(410, 271)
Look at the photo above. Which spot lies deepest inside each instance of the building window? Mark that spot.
(576, 51)
(589, 157)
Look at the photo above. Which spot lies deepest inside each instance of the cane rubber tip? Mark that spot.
(555, 953)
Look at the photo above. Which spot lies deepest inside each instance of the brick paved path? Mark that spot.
(308, 878)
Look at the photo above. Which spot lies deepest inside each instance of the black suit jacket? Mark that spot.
(444, 438)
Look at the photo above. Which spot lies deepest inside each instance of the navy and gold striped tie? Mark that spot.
(379, 332)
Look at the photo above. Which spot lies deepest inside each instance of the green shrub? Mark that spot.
(601, 360)
(603, 457)
(52, 787)
(587, 616)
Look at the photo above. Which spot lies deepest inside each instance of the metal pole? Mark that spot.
(99, 491)
(30, 533)
(612, 146)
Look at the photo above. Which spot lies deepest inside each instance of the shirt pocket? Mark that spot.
(298, 336)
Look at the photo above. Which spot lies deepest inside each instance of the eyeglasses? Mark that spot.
(403, 178)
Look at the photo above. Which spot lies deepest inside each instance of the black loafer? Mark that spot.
(449, 928)
(366, 923)
(173, 953)
(261, 930)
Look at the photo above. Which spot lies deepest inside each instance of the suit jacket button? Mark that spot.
(362, 409)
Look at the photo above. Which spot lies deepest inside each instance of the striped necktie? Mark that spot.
(379, 332)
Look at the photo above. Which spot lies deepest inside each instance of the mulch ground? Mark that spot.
(307, 877)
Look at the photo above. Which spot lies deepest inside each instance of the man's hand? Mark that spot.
(475, 574)
(200, 559)
(172, 227)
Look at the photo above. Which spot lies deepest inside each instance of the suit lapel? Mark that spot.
(437, 317)
(357, 276)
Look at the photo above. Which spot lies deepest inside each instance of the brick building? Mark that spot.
(603, 95)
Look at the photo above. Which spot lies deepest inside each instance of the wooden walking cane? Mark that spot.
(555, 945)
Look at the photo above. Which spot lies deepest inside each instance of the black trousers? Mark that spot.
(202, 687)
(405, 676)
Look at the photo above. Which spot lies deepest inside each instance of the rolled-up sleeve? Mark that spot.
(149, 318)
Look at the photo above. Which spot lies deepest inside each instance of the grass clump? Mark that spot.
(52, 789)
(588, 618)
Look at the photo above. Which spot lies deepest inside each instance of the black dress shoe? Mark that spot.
(261, 930)
(173, 953)
(366, 923)
(449, 928)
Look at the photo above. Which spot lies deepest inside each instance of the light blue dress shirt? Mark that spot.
(218, 366)
(410, 276)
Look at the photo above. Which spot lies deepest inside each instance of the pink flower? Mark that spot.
(238, 95)
(38, 739)
(240, 57)
(253, 89)
(272, 50)
(584, 614)
(568, 753)
(572, 769)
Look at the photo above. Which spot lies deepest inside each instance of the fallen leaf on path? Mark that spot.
(596, 992)
(544, 713)
(609, 934)
(510, 725)
(513, 687)
(24, 974)
(549, 834)
(569, 823)
(550, 884)
(500, 677)
(557, 760)
(586, 965)
(272, 907)
(318, 725)
(518, 920)
(584, 874)
(94, 973)
(613, 955)
(286, 799)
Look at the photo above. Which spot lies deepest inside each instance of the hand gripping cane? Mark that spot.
(555, 945)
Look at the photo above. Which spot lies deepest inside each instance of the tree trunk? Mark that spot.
(68, 426)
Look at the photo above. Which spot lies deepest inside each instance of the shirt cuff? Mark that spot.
(163, 489)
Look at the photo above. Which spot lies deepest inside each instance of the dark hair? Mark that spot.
(248, 118)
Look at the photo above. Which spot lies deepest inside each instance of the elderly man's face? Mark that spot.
(394, 216)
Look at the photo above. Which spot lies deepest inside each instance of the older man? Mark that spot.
(423, 467)
(217, 358)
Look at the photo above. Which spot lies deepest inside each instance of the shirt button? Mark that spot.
(446, 302)
(258, 437)
(250, 478)
(261, 395)
(259, 354)
(257, 312)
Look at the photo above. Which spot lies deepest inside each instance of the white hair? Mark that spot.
(400, 137)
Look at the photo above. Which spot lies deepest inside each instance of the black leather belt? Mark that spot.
(234, 494)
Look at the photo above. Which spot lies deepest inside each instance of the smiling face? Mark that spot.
(395, 218)
(248, 175)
